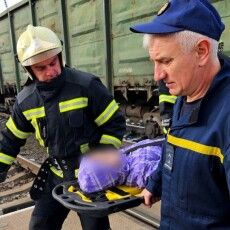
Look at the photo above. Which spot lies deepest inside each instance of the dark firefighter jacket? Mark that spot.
(69, 116)
(194, 178)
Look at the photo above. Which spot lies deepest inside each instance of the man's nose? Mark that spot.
(159, 73)
(50, 71)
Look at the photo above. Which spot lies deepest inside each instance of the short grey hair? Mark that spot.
(187, 40)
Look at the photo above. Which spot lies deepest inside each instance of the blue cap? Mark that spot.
(177, 15)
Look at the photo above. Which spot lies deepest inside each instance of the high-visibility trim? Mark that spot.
(107, 114)
(13, 128)
(59, 172)
(76, 172)
(37, 132)
(107, 139)
(76, 103)
(165, 130)
(34, 113)
(196, 147)
(167, 98)
(6, 159)
(84, 148)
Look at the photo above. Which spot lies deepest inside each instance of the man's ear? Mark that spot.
(203, 52)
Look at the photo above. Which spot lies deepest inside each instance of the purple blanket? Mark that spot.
(132, 170)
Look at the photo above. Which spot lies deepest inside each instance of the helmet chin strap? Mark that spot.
(29, 72)
(61, 60)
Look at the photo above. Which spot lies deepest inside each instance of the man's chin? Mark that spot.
(50, 79)
(173, 92)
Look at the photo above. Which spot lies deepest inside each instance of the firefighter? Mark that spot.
(71, 113)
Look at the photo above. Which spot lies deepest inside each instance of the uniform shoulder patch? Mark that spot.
(163, 8)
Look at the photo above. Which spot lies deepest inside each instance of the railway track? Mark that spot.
(14, 192)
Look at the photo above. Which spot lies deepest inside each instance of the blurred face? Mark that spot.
(47, 70)
(179, 70)
(110, 157)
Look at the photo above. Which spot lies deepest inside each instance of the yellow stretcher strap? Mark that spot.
(112, 194)
(83, 197)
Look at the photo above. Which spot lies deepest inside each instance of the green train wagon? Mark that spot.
(96, 39)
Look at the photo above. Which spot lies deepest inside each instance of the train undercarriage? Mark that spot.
(140, 106)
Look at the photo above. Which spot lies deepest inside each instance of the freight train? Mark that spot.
(96, 39)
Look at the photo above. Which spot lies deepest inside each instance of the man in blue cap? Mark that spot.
(193, 180)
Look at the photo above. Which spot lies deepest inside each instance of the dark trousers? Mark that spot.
(49, 214)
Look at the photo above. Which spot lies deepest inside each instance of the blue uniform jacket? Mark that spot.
(193, 179)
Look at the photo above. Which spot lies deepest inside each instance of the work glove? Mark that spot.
(3, 176)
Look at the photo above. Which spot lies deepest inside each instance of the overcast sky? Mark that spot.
(9, 4)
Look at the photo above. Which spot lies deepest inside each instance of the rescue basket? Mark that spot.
(102, 203)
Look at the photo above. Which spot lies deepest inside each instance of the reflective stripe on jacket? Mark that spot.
(81, 114)
(196, 165)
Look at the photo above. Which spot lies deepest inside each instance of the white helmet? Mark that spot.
(37, 44)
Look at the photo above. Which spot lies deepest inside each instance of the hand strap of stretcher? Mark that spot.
(136, 146)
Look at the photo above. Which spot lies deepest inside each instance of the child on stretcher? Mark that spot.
(99, 171)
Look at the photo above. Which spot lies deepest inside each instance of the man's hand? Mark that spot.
(3, 176)
(149, 199)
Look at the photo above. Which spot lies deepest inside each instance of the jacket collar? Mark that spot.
(48, 90)
(187, 119)
(191, 118)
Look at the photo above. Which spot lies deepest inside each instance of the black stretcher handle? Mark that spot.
(73, 201)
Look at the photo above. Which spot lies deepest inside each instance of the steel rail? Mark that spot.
(153, 222)
(28, 164)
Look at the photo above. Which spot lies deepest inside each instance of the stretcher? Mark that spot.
(97, 204)
(101, 203)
